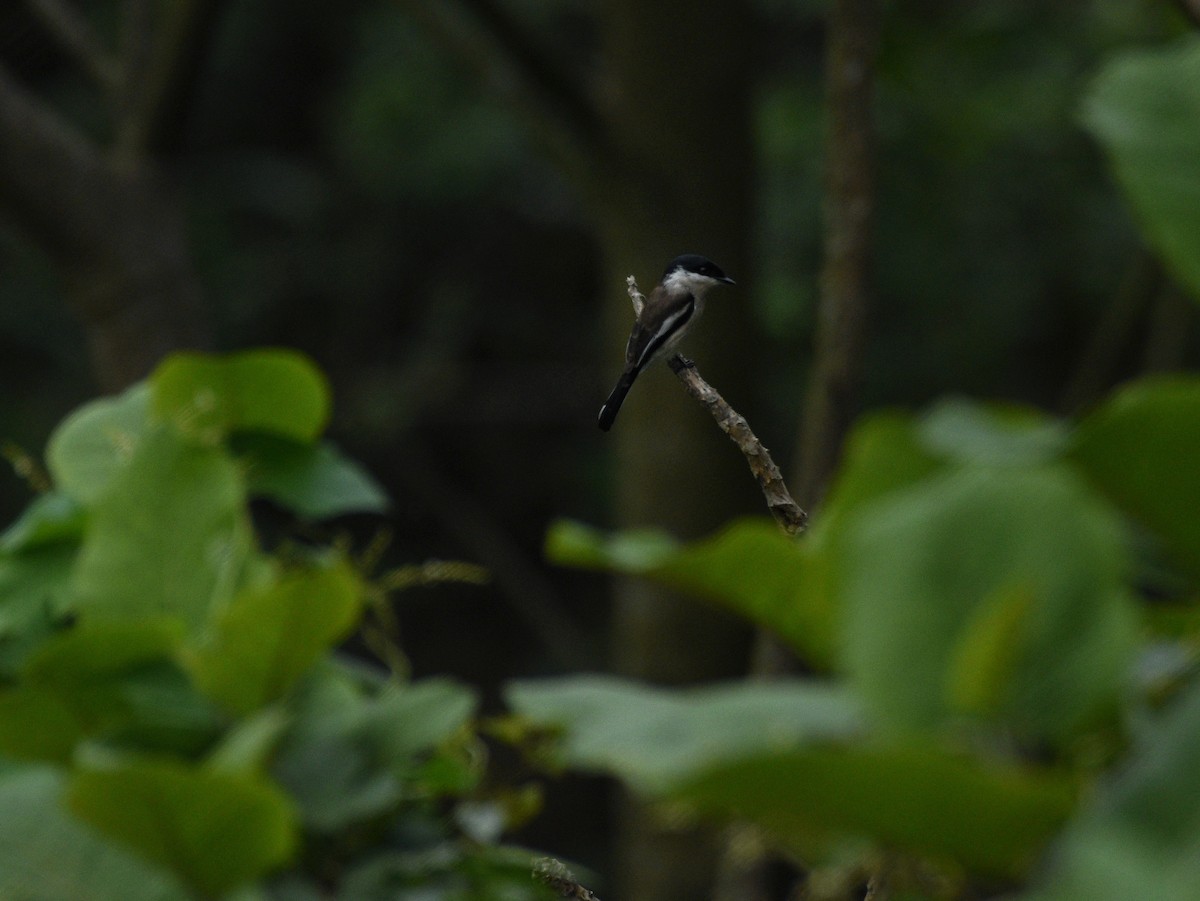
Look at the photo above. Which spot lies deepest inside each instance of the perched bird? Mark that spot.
(670, 310)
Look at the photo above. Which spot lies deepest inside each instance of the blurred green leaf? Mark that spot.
(1141, 449)
(1000, 436)
(633, 551)
(1137, 837)
(35, 592)
(96, 442)
(270, 390)
(119, 680)
(410, 719)
(1144, 107)
(883, 454)
(250, 743)
(350, 754)
(46, 855)
(78, 657)
(927, 576)
(37, 725)
(270, 635)
(653, 738)
(50, 519)
(750, 567)
(314, 481)
(214, 830)
(988, 816)
(170, 535)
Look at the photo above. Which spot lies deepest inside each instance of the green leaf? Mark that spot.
(1141, 449)
(1137, 836)
(46, 855)
(34, 599)
(208, 397)
(37, 725)
(214, 830)
(51, 519)
(985, 816)
(633, 551)
(118, 679)
(984, 663)
(411, 719)
(1000, 436)
(351, 755)
(270, 635)
(750, 567)
(883, 454)
(1144, 108)
(168, 536)
(920, 575)
(250, 743)
(96, 442)
(314, 481)
(654, 738)
(78, 657)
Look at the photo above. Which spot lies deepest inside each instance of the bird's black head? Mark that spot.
(694, 263)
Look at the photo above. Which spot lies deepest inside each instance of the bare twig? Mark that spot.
(553, 873)
(787, 512)
(75, 36)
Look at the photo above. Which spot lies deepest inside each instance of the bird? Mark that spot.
(668, 313)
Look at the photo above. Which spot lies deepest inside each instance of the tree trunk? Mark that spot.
(679, 114)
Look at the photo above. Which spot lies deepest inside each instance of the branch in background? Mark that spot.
(73, 33)
(788, 514)
(491, 43)
(160, 62)
(116, 234)
(852, 41)
(52, 175)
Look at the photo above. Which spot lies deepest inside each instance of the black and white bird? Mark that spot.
(668, 313)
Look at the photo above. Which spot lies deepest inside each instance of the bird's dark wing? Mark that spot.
(652, 332)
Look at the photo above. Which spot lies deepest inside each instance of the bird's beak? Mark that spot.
(727, 280)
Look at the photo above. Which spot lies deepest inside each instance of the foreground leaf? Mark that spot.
(46, 855)
(919, 799)
(1138, 837)
(1141, 449)
(314, 481)
(271, 390)
(1013, 580)
(750, 567)
(270, 635)
(96, 442)
(653, 737)
(214, 830)
(1145, 109)
(351, 753)
(168, 536)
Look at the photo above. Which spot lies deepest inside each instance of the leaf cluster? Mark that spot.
(981, 600)
(174, 722)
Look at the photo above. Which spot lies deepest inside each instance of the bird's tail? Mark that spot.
(608, 413)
